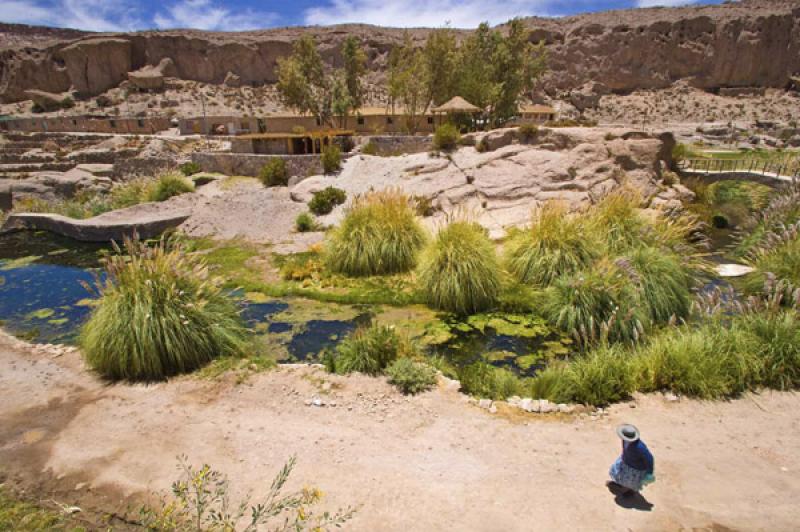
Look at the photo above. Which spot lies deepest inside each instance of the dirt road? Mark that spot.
(432, 462)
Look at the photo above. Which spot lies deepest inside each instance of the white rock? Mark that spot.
(485, 403)
(565, 409)
(733, 270)
(545, 406)
(492, 409)
(671, 397)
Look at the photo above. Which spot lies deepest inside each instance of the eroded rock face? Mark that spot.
(47, 101)
(736, 44)
(152, 77)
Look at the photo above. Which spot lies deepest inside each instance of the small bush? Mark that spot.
(617, 217)
(379, 235)
(67, 102)
(459, 271)
(368, 350)
(600, 377)
(305, 223)
(331, 159)
(132, 193)
(446, 137)
(486, 381)
(326, 199)
(423, 205)
(664, 282)
(159, 313)
(370, 148)
(190, 168)
(777, 337)
(527, 132)
(557, 244)
(411, 377)
(274, 174)
(169, 185)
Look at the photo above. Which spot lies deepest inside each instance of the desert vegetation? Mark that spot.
(274, 173)
(326, 199)
(159, 313)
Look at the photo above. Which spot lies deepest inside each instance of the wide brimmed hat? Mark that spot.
(628, 432)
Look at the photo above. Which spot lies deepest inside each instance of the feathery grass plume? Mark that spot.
(159, 314)
(369, 350)
(597, 305)
(379, 235)
(709, 362)
(782, 210)
(617, 217)
(169, 185)
(556, 244)
(778, 255)
(459, 271)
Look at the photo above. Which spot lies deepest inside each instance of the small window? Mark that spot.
(360, 120)
(140, 122)
(113, 123)
(430, 120)
(74, 122)
(389, 120)
(319, 122)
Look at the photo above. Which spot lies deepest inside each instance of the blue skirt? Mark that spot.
(627, 476)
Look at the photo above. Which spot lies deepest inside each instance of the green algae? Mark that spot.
(40, 314)
(12, 264)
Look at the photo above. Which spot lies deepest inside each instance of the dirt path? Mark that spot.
(433, 462)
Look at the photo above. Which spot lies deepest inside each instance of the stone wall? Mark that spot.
(142, 166)
(250, 164)
(397, 144)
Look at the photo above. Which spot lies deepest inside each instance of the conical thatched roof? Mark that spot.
(456, 104)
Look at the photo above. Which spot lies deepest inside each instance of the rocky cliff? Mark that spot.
(747, 43)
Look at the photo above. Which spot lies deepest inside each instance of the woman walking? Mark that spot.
(634, 469)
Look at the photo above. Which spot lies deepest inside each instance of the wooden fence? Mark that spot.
(782, 170)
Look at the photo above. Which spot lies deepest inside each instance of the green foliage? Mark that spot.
(777, 342)
(446, 137)
(664, 283)
(440, 58)
(407, 82)
(331, 159)
(169, 185)
(159, 313)
(190, 168)
(411, 377)
(305, 223)
(459, 271)
(326, 199)
(527, 132)
(556, 244)
(370, 148)
(486, 381)
(274, 174)
(201, 501)
(778, 256)
(617, 217)
(379, 235)
(599, 377)
(22, 516)
(368, 350)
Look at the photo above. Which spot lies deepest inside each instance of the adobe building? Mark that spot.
(86, 124)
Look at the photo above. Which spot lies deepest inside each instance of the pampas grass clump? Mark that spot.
(379, 235)
(159, 314)
(459, 271)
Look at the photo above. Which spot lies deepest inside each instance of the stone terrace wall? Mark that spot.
(397, 144)
(142, 166)
(249, 164)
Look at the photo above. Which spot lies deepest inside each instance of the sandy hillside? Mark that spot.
(432, 462)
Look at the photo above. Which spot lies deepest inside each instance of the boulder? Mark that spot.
(47, 101)
(98, 64)
(587, 96)
(232, 80)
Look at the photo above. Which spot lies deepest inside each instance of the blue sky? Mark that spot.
(231, 15)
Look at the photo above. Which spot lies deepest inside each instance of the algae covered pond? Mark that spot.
(42, 299)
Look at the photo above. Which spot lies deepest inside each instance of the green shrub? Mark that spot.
(557, 244)
(617, 217)
(169, 185)
(777, 337)
(67, 102)
(305, 223)
(331, 159)
(446, 137)
(190, 168)
(368, 350)
(411, 377)
(599, 377)
(778, 254)
(486, 381)
(527, 132)
(370, 148)
(159, 314)
(379, 235)
(664, 283)
(132, 193)
(459, 271)
(274, 174)
(326, 199)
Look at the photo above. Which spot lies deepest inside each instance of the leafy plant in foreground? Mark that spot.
(159, 313)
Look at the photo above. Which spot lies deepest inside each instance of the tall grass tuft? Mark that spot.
(664, 283)
(777, 335)
(556, 244)
(169, 185)
(159, 314)
(617, 217)
(459, 271)
(778, 255)
(368, 350)
(599, 377)
(379, 235)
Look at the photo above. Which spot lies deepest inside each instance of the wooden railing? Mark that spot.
(782, 170)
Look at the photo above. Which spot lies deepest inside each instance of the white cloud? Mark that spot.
(430, 13)
(207, 15)
(664, 3)
(92, 15)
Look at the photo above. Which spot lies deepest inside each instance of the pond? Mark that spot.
(43, 299)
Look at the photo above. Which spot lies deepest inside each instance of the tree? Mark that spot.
(440, 62)
(305, 83)
(408, 83)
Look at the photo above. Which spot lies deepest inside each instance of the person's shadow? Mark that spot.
(627, 499)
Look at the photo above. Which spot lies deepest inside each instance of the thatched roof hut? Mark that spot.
(456, 104)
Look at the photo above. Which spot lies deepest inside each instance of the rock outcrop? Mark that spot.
(152, 77)
(46, 101)
(735, 44)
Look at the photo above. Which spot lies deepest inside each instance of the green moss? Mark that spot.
(40, 314)
(58, 321)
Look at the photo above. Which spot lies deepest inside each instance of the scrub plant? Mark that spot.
(379, 235)
(274, 173)
(169, 185)
(410, 376)
(326, 199)
(159, 313)
(458, 271)
(368, 350)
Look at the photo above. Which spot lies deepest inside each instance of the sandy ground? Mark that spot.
(431, 462)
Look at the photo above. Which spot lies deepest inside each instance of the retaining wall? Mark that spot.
(249, 164)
